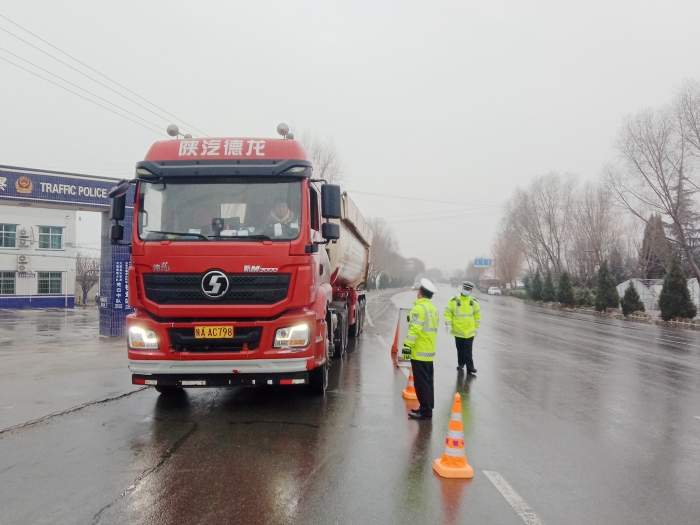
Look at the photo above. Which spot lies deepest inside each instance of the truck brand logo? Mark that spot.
(215, 284)
(257, 269)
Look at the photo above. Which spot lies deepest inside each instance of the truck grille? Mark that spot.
(185, 288)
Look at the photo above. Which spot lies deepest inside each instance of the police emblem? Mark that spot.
(24, 185)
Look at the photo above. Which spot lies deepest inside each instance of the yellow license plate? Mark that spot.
(213, 332)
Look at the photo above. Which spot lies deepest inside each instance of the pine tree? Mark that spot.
(655, 251)
(674, 301)
(548, 292)
(565, 290)
(536, 286)
(605, 292)
(631, 302)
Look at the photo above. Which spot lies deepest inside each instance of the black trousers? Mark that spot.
(464, 352)
(423, 382)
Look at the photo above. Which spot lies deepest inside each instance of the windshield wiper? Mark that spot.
(181, 233)
(244, 237)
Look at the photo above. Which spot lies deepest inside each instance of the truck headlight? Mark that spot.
(292, 336)
(142, 339)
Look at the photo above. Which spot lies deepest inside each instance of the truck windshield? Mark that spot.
(220, 209)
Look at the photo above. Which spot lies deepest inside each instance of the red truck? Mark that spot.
(245, 270)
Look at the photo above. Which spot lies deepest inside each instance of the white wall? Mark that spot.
(40, 260)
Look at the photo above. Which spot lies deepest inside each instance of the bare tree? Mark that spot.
(384, 248)
(325, 156)
(539, 219)
(654, 175)
(508, 259)
(87, 273)
(596, 231)
(687, 108)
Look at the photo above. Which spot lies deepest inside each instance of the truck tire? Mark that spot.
(318, 377)
(168, 390)
(341, 336)
(356, 329)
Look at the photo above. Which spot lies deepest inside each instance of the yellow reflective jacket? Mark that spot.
(463, 316)
(422, 330)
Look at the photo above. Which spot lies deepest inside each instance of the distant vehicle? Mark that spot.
(415, 286)
(494, 290)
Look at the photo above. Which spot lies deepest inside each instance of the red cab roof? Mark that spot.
(223, 148)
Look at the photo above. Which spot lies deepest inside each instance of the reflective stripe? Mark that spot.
(473, 332)
(464, 315)
(430, 329)
(455, 435)
(456, 417)
(454, 452)
(411, 338)
(457, 332)
(425, 310)
(425, 354)
(418, 323)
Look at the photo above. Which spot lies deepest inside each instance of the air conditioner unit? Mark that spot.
(23, 259)
(23, 232)
(21, 268)
(24, 243)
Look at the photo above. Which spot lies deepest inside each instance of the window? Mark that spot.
(49, 282)
(7, 283)
(50, 237)
(313, 200)
(221, 209)
(8, 235)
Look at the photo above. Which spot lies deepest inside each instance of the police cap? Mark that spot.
(467, 285)
(427, 288)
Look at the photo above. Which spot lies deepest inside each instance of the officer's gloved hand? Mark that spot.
(406, 352)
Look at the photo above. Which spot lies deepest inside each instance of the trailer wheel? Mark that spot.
(356, 329)
(169, 390)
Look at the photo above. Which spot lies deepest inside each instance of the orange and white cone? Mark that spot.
(410, 392)
(395, 345)
(453, 463)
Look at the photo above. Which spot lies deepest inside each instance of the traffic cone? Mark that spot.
(395, 346)
(410, 392)
(453, 463)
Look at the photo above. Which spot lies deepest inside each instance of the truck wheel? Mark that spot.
(168, 390)
(341, 336)
(318, 377)
(354, 330)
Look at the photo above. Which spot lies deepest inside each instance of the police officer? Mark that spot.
(419, 346)
(462, 318)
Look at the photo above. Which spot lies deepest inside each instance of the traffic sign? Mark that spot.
(482, 262)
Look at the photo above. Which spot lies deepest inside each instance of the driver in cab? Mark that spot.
(281, 219)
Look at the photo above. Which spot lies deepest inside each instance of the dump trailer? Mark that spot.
(245, 270)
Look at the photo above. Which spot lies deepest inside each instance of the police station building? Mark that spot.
(37, 242)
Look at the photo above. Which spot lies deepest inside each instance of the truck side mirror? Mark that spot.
(117, 207)
(120, 189)
(330, 231)
(330, 202)
(116, 233)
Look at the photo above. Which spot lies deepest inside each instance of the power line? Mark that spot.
(160, 132)
(479, 208)
(89, 77)
(392, 196)
(77, 86)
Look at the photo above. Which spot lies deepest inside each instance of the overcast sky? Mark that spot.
(442, 101)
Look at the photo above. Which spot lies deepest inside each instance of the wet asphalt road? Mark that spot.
(590, 420)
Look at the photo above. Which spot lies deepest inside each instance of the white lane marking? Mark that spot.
(382, 341)
(696, 417)
(368, 318)
(516, 501)
(494, 340)
(405, 370)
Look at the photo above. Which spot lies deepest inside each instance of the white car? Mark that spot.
(494, 290)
